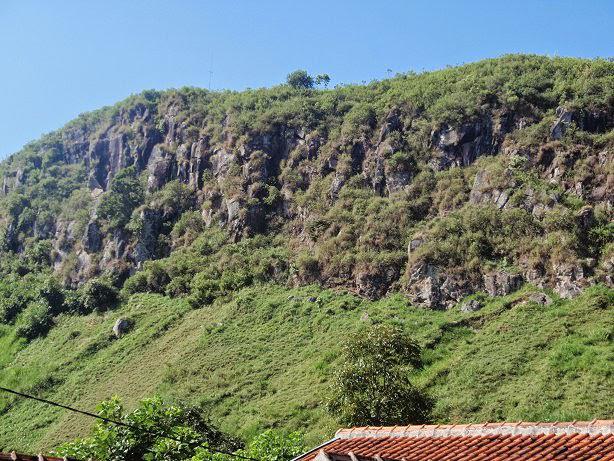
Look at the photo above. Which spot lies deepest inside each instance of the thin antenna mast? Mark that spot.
(210, 69)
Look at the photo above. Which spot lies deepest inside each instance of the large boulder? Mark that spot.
(121, 327)
(569, 280)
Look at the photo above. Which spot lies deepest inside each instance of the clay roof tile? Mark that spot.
(518, 441)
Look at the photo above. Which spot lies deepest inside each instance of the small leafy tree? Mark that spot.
(144, 439)
(300, 80)
(373, 385)
(322, 79)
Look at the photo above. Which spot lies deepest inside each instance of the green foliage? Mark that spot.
(271, 445)
(143, 436)
(98, 295)
(32, 300)
(34, 321)
(322, 79)
(124, 195)
(465, 240)
(300, 80)
(14, 297)
(372, 386)
(187, 228)
(274, 445)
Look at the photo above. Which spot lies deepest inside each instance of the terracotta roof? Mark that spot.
(578, 440)
(20, 457)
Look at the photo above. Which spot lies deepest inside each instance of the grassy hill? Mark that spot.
(263, 356)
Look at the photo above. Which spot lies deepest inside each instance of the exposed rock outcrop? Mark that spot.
(501, 283)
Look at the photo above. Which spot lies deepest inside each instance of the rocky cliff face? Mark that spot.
(255, 181)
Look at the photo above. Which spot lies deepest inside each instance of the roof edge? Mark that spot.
(318, 448)
(604, 426)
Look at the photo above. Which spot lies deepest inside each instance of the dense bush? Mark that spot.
(271, 445)
(143, 435)
(372, 386)
(34, 321)
(124, 195)
(300, 79)
(98, 295)
(14, 297)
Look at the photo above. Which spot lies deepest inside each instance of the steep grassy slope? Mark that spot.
(262, 358)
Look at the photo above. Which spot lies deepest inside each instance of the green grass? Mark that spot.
(259, 359)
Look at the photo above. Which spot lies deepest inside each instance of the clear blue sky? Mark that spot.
(63, 57)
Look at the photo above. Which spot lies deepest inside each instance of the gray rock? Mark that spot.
(147, 239)
(564, 119)
(471, 305)
(462, 145)
(569, 280)
(397, 180)
(160, 168)
(92, 239)
(567, 288)
(539, 298)
(121, 327)
(430, 288)
(336, 185)
(501, 283)
(232, 208)
(483, 192)
(587, 120)
(375, 283)
(414, 244)
(220, 162)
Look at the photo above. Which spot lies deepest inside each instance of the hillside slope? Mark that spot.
(260, 360)
(244, 234)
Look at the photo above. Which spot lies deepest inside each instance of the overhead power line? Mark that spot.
(121, 423)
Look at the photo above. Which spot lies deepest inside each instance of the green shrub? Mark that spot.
(53, 293)
(300, 80)
(13, 300)
(124, 195)
(111, 442)
(205, 288)
(401, 161)
(34, 321)
(98, 295)
(372, 386)
(137, 283)
(275, 445)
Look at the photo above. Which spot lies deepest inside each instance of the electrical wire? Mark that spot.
(121, 423)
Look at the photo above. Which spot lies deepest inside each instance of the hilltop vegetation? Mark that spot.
(245, 235)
